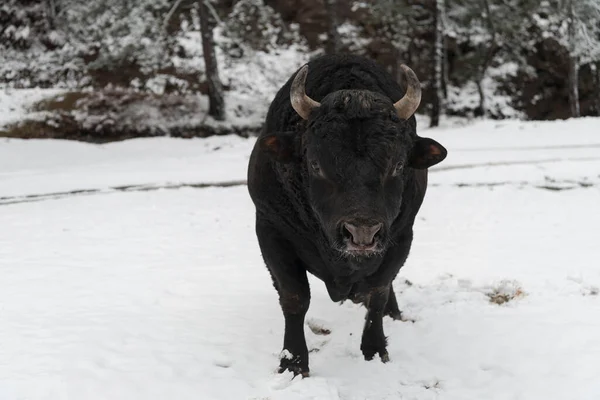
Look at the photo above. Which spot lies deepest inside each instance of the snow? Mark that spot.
(163, 293)
(15, 104)
(498, 104)
(26, 165)
(352, 37)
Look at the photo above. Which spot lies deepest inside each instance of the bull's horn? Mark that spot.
(300, 101)
(406, 106)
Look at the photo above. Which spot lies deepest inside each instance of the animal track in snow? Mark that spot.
(317, 327)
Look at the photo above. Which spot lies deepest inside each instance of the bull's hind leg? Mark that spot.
(391, 308)
(373, 340)
(291, 282)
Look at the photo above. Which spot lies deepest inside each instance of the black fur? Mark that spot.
(353, 160)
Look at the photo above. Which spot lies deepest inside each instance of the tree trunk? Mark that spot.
(169, 15)
(437, 87)
(573, 76)
(574, 86)
(481, 110)
(597, 75)
(333, 37)
(445, 70)
(488, 56)
(51, 7)
(215, 88)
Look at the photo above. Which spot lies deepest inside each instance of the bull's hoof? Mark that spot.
(369, 353)
(395, 314)
(295, 369)
(294, 364)
(398, 316)
(385, 357)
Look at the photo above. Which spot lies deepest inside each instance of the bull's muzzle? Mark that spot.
(361, 236)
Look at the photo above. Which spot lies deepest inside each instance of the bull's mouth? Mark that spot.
(361, 248)
(361, 252)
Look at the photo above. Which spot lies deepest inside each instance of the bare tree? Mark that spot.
(488, 50)
(582, 42)
(170, 15)
(396, 16)
(573, 78)
(596, 70)
(215, 87)
(445, 70)
(51, 7)
(437, 86)
(333, 37)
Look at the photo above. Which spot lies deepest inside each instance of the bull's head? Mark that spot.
(356, 156)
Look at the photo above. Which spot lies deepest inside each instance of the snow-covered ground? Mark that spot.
(121, 280)
(16, 104)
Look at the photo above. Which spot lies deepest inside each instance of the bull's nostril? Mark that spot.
(373, 231)
(377, 228)
(347, 232)
(363, 235)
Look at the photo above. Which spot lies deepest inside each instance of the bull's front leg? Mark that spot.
(294, 304)
(291, 282)
(373, 339)
(382, 300)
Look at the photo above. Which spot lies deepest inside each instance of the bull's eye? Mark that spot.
(316, 168)
(398, 169)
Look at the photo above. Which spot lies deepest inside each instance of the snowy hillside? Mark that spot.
(139, 68)
(124, 276)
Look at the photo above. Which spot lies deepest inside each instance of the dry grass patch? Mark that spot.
(505, 292)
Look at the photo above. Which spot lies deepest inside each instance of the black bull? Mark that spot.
(337, 177)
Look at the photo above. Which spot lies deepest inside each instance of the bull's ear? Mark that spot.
(426, 152)
(280, 146)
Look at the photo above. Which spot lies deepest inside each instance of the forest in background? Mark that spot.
(196, 68)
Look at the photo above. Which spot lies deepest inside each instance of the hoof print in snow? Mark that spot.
(222, 363)
(318, 330)
(315, 346)
(590, 291)
(586, 290)
(433, 385)
(506, 291)
(317, 327)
